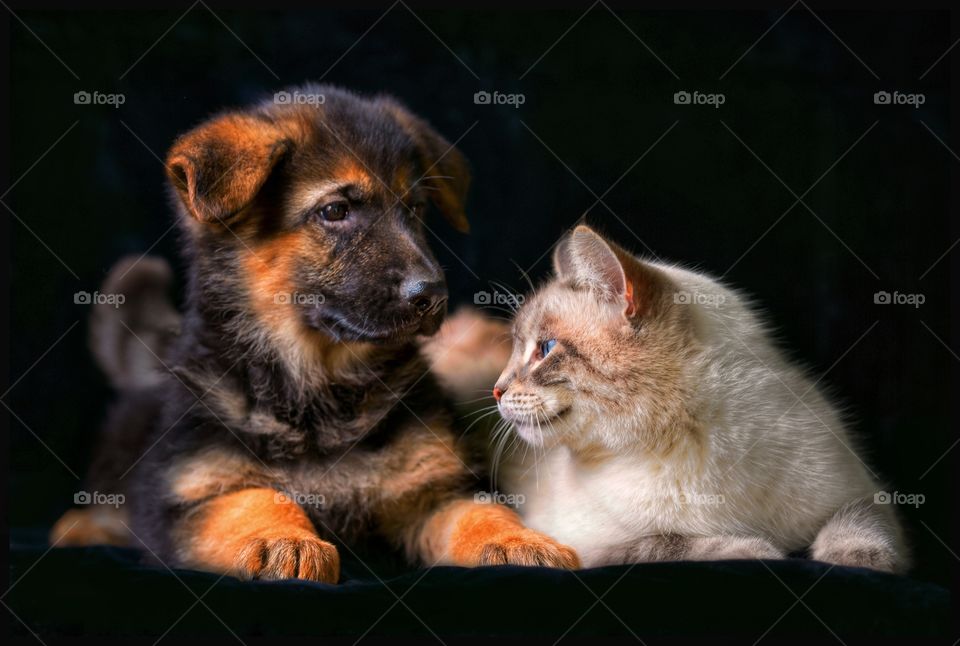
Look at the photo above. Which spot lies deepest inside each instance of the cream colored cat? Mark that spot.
(664, 424)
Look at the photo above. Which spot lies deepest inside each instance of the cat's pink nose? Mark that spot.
(497, 394)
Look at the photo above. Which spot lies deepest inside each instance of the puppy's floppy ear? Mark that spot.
(219, 167)
(587, 259)
(445, 169)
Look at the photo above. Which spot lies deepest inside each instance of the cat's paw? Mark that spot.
(527, 547)
(722, 548)
(867, 555)
(304, 557)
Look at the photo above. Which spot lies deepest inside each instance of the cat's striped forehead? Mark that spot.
(561, 310)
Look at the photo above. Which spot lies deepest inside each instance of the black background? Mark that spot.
(595, 102)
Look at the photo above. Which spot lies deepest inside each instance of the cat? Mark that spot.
(662, 423)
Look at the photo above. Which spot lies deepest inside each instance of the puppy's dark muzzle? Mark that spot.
(428, 299)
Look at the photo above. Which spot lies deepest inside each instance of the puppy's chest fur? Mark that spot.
(352, 452)
(279, 417)
(343, 491)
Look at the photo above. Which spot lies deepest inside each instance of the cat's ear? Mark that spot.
(587, 259)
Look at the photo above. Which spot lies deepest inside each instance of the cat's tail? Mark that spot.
(468, 354)
(131, 333)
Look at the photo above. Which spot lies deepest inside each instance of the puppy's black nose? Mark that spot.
(424, 295)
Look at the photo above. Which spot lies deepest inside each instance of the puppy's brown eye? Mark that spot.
(335, 211)
(417, 209)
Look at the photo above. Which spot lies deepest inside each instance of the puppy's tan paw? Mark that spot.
(289, 558)
(527, 547)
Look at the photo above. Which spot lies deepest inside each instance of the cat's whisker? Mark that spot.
(512, 300)
(525, 275)
(488, 392)
(495, 440)
(509, 312)
(504, 437)
(548, 466)
(479, 419)
(538, 447)
(514, 440)
(478, 399)
(484, 409)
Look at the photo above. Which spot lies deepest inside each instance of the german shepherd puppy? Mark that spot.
(295, 409)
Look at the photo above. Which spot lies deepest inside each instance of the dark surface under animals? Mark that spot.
(108, 591)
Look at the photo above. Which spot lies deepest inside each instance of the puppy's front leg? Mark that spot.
(255, 534)
(468, 533)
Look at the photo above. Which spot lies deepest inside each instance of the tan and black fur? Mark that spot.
(295, 409)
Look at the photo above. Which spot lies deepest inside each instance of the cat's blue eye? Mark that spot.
(547, 346)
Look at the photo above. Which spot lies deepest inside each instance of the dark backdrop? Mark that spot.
(714, 192)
